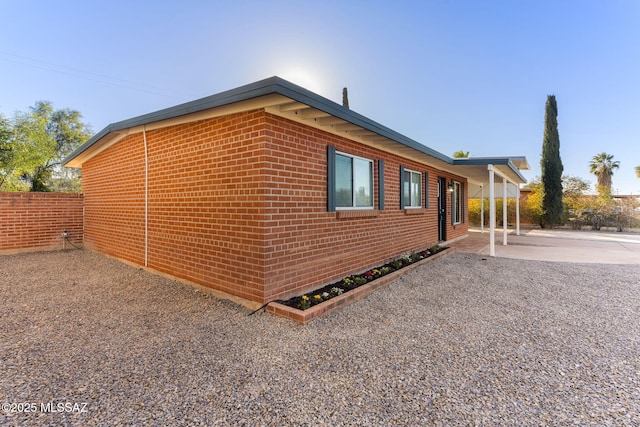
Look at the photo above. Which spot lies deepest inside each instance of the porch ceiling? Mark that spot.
(477, 171)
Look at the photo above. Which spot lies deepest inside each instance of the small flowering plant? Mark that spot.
(351, 282)
(361, 280)
(304, 302)
(348, 282)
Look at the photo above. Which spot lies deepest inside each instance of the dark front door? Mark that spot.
(442, 209)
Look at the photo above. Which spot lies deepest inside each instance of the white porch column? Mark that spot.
(492, 213)
(518, 210)
(504, 211)
(482, 208)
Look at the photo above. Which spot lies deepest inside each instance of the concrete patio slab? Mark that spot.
(559, 246)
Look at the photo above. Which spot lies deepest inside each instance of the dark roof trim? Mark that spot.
(279, 86)
(316, 101)
(272, 85)
(482, 161)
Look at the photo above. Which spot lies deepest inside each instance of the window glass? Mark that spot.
(354, 182)
(344, 177)
(363, 182)
(406, 188)
(416, 191)
(412, 189)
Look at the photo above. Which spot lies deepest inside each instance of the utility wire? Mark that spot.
(92, 76)
(264, 306)
(69, 241)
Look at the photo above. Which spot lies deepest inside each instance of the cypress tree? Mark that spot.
(551, 166)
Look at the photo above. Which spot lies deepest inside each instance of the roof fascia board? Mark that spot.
(238, 99)
(253, 90)
(486, 161)
(519, 161)
(76, 158)
(311, 99)
(242, 93)
(224, 98)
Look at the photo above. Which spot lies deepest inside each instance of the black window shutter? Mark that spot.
(462, 202)
(426, 190)
(401, 187)
(454, 206)
(331, 178)
(381, 185)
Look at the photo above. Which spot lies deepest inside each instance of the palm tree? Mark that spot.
(602, 166)
(638, 171)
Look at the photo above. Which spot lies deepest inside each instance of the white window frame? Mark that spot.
(411, 205)
(353, 190)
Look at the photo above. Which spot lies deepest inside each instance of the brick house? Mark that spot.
(268, 191)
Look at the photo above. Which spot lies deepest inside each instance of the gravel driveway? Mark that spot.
(459, 341)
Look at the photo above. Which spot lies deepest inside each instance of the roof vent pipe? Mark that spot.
(345, 98)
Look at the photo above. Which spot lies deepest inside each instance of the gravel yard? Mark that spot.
(459, 341)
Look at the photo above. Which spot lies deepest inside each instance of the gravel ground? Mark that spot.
(459, 341)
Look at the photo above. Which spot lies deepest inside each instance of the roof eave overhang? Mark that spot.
(277, 96)
(285, 99)
(477, 168)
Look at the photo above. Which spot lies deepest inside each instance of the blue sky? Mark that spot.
(470, 75)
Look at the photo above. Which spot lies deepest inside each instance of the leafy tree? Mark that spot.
(40, 139)
(551, 166)
(638, 171)
(581, 209)
(576, 202)
(532, 209)
(461, 154)
(474, 211)
(6, 151)
(602, 166)
(573, 187)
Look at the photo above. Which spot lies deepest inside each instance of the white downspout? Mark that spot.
(146, 198)
(492, 213)
(518, 210)
(504, 211)
(482, 208)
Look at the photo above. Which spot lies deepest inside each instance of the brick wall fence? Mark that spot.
(36, 221)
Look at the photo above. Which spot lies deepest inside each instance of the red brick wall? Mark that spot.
(205, 202)
(35, 221)
(113, 185)
(306, 246)
(239, 204)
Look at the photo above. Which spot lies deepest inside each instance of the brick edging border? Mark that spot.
(324, 308)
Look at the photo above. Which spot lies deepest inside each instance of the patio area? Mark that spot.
(459, 341)
(557, 246)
